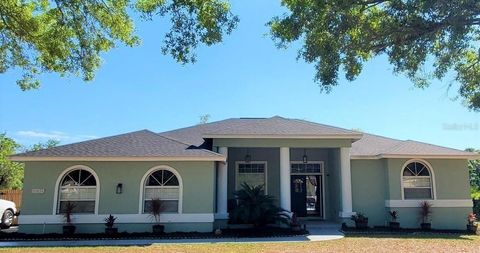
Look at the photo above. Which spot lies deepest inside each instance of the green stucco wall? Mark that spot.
(374, 181)
(198, 185)
(270, 155)
(130, 227)
(451, 178)
(369, 189)
(333, 186)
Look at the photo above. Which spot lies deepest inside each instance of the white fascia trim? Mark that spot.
(408, 156)
(280, 136)
(435, 203)
(122, 218)
(118, 159)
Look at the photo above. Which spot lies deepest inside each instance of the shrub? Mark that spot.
(257, 208)
(425, 211)
(110, 221)
(393, 215)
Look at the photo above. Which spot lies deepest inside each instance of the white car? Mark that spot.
(8, 210)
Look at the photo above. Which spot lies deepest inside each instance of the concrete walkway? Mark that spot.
(319, 231)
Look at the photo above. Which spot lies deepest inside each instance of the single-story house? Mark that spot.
(313, 170)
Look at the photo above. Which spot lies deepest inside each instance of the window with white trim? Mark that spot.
(78, 187)
(417, 181)
(252, 173)
(164, 185)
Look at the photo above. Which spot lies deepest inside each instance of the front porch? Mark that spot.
(313, 182)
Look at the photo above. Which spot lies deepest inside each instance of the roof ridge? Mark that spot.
(381, 136)
(186, 144)
(320, 124)
(192, 126)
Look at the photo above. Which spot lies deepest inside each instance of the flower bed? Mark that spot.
(226, 233)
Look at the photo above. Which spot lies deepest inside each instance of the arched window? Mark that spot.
(79, 188)
(163, 184)
(417, 181)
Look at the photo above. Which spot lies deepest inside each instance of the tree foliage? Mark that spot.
(474, 172)
(68, 36)
(343, 34)
(11, 173)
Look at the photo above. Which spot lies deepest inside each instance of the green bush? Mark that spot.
(257, 208)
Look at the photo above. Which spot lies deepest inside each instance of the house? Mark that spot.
(314, 170)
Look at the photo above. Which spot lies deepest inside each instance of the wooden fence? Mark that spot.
(12, 195)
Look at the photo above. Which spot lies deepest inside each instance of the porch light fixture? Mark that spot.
(248, 157)
(305, 158)
(119, 188)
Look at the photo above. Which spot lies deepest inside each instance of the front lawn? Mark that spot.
(354, 243)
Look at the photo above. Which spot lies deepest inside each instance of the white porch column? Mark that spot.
(222, 178)
(346, 183)
(285, 178)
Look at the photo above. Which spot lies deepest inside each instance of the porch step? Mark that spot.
(322, 225)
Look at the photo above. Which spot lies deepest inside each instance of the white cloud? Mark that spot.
(34, 136)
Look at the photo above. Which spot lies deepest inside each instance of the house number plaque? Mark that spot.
(38, 191)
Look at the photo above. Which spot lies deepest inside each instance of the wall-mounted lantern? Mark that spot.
(119, 188)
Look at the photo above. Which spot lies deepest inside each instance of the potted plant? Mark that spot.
(68, 228)
(472, 222)
(155, 211)
(294, 224)
(361, 221)
(394, 225)
(109, 222)
(425, 212)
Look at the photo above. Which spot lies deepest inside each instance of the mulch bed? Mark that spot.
(226, 233)
(402, 231)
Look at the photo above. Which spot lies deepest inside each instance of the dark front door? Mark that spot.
(307, 195)
(298, 191)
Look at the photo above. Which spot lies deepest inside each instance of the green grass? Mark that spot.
(354, 243)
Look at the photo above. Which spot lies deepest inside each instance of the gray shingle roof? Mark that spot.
(374, 145)
(189, 143)
(261, 127)
(139, 144)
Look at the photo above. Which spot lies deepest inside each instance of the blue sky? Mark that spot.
(245, 76)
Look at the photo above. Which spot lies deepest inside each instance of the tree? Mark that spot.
(413, 34)
(474, 172)
(68, 36)
(204, 119)
(49, 144)
(11, 173)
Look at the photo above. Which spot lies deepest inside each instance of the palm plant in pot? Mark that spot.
(155, 211)
(425, 212)
(472, 223)
(68, 228)
(109, 222)
(295, 224)
(394, 224)
(361, 221)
